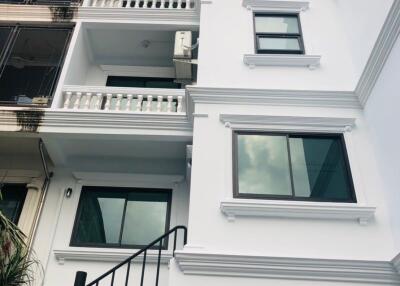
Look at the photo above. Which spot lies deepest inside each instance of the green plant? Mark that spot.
(16, 262)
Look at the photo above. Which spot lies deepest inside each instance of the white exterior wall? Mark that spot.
(382, 117)
(212, 182)
(223, 44)
(57, 222)
(361, 22)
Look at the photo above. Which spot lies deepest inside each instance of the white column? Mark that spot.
(149, 102)
(139, 102)
(119, 100)
(77, 100)
(29, 210)
(99, 98)
(108, 102)
(169, 104)
(67, 100)
(128, 102)
(179, 107)
(88, 99)
(159, 103)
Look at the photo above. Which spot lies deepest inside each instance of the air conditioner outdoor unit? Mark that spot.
(183, 56)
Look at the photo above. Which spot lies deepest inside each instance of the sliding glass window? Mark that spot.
(292, 166)
(30, 62)
(121, 217)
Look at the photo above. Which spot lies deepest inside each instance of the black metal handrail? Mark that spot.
(80, 278)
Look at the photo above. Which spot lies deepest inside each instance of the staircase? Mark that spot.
(80, 278)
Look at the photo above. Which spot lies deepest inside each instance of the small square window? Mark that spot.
(278, 34)
(121, 217)
(292, 166)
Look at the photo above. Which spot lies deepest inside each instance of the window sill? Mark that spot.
(108, 255)
(285, 60)
(294, 209)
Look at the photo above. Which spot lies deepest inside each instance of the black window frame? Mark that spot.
(144, 78)
(298, 36)
(12, 38)
(235, 166)
(20, 195)
(119, 190)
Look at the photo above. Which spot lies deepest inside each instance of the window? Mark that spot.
(278, 34)
(292, 166)
(121, 217)
(31, 62)
(13, 198)
(148, 82)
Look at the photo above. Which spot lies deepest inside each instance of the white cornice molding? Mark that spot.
(188, 17)
(287, 123)
(249, 96)
(381, 51)
(106, 255)
(91, 122)
(396, 263)
(292, 268)
(176, 17)
(276, 6)
(233, 208)
(254, 60)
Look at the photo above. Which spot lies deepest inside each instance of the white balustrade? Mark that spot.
(123, 102)
(143, 4)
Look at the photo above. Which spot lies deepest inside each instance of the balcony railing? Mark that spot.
(126, 100)
(143, 4)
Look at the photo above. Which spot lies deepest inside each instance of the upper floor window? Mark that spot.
(292, 166)
(30, 62)
(121, 217)
(278, 34)
(12, 200)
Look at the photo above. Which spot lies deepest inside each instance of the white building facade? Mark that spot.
(262, 133)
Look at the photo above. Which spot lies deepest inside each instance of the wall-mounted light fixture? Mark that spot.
(68, 192)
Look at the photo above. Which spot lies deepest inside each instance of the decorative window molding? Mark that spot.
(233, 208)
(287, 123)
(276, 6)
(293, 268)
(101, 254)
(285, 60)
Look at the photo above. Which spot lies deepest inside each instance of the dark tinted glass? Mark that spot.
(147, 212)
(100, 218)
(263, 165)
(33, 65)
(13, 198)
(4, 35)
(319, 169)
(121, 217)
(148, 82)
(291, 166)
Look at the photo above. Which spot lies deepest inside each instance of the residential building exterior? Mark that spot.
(260, 136)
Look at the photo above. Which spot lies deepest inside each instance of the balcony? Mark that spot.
(124, 100)
(143, 4)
